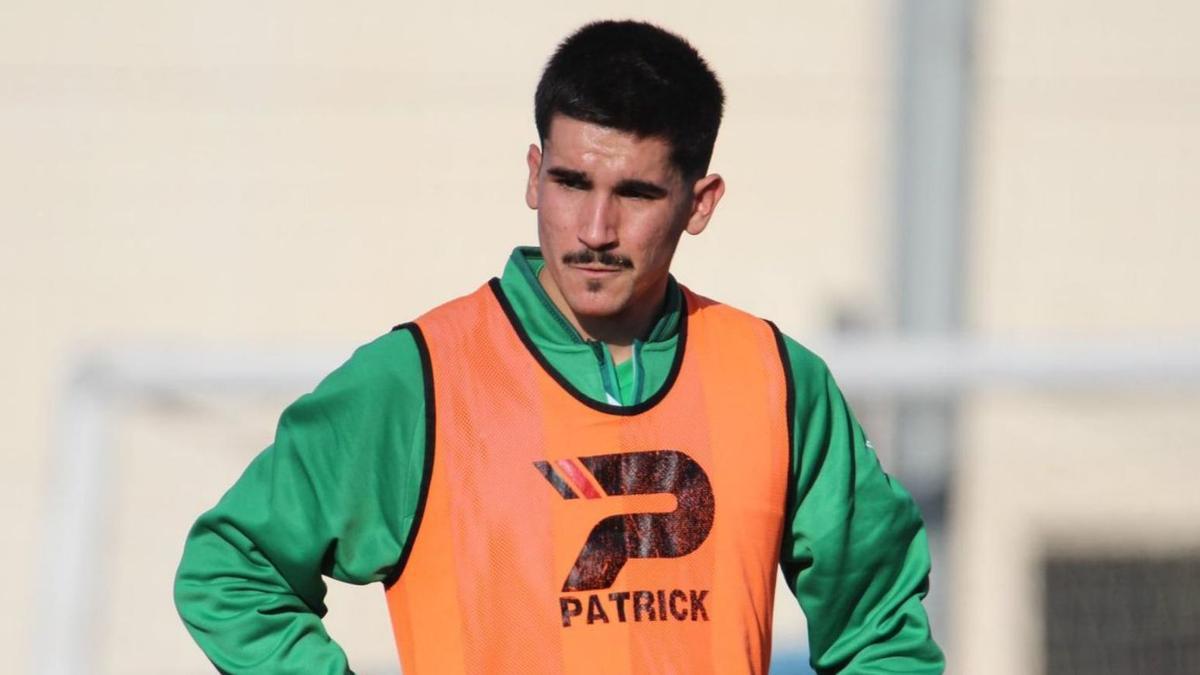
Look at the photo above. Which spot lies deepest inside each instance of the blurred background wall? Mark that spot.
(294, 178)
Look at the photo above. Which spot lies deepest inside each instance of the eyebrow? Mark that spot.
(568, 175)
(641, 188)
(627, 187)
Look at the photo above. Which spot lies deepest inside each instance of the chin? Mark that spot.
(595, 310)
(596, 304)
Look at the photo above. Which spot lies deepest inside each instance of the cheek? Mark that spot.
(549, 228)
(654, 240)
(554, 214)
(554, 237)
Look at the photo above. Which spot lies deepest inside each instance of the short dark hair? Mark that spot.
(638, 78)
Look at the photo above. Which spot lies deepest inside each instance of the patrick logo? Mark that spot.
(616, 539)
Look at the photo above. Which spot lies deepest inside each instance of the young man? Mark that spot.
(582, 467)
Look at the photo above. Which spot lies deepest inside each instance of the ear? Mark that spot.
(705, 194)
(534, 159)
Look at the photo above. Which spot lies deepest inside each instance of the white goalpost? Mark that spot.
(101, 383)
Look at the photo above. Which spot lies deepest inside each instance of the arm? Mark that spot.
(334, 495)
(854, 551)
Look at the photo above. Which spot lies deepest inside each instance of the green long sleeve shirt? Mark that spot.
(336, 493)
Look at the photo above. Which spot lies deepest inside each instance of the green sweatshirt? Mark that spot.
(336, 494)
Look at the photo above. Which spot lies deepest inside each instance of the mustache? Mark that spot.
(588, 256)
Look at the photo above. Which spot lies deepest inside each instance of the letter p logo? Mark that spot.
(616, 539)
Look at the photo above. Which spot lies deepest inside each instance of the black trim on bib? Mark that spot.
(427, 469)
(629, 410)
(790, 416)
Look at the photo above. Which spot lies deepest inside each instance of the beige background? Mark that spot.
(279, 175)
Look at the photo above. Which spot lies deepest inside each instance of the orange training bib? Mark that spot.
(562, 535)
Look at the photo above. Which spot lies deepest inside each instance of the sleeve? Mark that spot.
(854, 550)
(334, 495)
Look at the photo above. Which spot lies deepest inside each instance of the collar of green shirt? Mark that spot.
(588, 364)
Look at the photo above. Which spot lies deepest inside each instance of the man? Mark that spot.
(583, 466)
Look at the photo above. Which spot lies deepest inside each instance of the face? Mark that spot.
(611, 209)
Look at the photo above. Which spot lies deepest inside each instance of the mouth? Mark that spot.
(596, 274)
(597, 269)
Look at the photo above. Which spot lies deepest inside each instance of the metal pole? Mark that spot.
(930, 183)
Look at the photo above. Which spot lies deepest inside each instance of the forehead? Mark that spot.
(583, 146)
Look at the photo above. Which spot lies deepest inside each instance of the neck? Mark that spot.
(618, 331)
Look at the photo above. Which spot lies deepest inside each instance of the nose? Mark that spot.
(598, 229)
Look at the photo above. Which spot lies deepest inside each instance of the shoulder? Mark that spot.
(379, 375)
(392, 354)
(726, 324)
(812, 383)
(807, 370)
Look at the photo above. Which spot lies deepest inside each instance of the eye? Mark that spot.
(635, 194)
(571, 183)
(640, 191)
